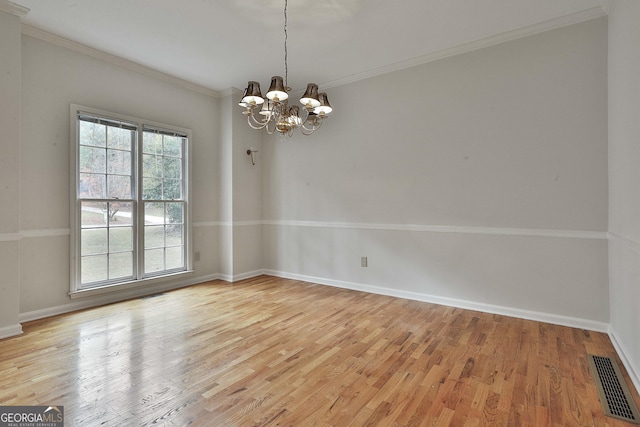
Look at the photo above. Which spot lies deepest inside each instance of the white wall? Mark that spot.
(480, 180)
(624, 176)
(9, 171)
(54, 77)
(241, 228)
(225, 207)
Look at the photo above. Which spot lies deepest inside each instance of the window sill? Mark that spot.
(131, 285)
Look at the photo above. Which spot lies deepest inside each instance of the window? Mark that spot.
(130, 210)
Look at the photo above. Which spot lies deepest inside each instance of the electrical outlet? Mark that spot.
(363, 261)
(196, 256)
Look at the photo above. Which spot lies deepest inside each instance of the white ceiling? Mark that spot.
(220, 44)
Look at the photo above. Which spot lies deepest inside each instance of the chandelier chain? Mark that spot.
(286, 68)
(276, 111)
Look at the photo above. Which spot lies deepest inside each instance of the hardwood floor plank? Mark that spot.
(276, 352)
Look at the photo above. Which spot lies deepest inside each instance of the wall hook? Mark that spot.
(250, 152)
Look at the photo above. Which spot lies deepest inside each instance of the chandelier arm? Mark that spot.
(313, 127)
(252, 125)
(272, 131)
(256, 124)
(304, 119)
(308, 131)
(305, 131)
(274, 118)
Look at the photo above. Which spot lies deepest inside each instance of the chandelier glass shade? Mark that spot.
(273, 112)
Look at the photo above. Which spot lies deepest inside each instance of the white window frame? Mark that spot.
(76, 289)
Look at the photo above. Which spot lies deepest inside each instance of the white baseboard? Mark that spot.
(247, 275)
(225, 277)
(10, 331)
(116, 296)
(556, 319)
(632, 369)
(241, 276)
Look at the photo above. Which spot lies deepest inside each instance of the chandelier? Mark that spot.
(274, 112)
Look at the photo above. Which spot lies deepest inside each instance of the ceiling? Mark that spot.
(218, 44)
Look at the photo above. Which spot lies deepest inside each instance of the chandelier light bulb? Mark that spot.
(310, 97)
(324, 108)
(277, 91)
(252, 96)
(267, 109)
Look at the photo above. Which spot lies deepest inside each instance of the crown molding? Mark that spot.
(115, 60)
(13, 8)
(551, 24)
(228, 91)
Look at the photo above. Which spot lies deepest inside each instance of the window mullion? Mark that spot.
(140, 214)
(108, 239)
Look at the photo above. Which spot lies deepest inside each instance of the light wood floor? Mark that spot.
(277, 352)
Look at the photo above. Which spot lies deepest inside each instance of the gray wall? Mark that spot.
(478, 180)
(54, 77)
(10, 53)
(241, 202)
(624, 176)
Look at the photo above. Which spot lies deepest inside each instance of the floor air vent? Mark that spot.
(615, 398)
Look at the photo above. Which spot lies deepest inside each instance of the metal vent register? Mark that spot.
(615, 398)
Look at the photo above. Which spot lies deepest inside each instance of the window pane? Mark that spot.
(94, 214)
(172, 168)
(120, 214)
(92, 160)
(94, 269)
(174, 258)
(153, 260)
(120, 239)
(120, 138)
(152, 166)
(173, 146)
(152, 143)
(174, 213)
(92, 186)
(119, 187)
(152, 189)
(174, 235)
(172, 189)
(154, 236)
(118, 162)
(121, 265)
(92, 134)
(154, 213)
(93, 241)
